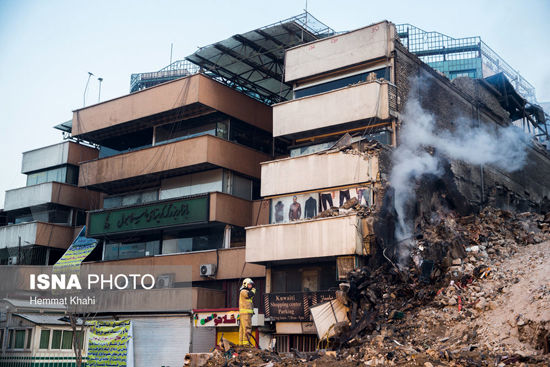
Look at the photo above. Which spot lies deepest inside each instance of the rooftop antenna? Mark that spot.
(99, 95)
(171, 49)
(90, 74)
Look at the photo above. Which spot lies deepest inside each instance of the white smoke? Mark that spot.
(470, 142)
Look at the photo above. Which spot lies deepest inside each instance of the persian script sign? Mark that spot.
(155, 215)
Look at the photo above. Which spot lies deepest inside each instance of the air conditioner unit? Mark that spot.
(165, 281)
(12, 260)
(207, 270)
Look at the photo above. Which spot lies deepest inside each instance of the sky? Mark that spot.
(48, 47)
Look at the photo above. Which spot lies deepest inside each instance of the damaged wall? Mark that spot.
(525, 189)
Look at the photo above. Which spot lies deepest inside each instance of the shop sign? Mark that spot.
(294, 306)
(156, 215)
(222, 318)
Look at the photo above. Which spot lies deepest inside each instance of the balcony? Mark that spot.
(330, 110)
(51, 192)
(185, 156)
(172, 101)
(340, 51)
(56, 155)
(325, 170)
(36, 233)
(186, 266)
(336, 236)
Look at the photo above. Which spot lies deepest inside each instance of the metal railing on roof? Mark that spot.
(434, 47)
(177, 69)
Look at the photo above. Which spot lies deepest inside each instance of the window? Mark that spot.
(340, 83)
(66, 174)
(130, 199)
(56, 339)
(29, 338)
(44, 339)
(191, 184)
(61, 339)
(1, 339)
(115, 251)
(198, 240)
(215, 125)
(67, 341)
(17, 338)
(250, 136)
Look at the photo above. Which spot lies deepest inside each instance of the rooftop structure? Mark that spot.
(252, 62)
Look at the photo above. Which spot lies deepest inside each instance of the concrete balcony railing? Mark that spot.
(172, 101)
(329, 110)
(56, 155)
(51, 192)
(374, 42)
(336, 236)
(36, 233)
(325, 170)
(186, 266)
(179, 157)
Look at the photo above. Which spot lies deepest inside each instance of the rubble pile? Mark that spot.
(476, 292)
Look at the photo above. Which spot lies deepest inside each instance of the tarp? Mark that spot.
(110, 344)
(75, 254)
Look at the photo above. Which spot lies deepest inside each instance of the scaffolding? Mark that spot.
(455, 57)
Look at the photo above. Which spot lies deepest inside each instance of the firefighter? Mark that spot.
(246, 310)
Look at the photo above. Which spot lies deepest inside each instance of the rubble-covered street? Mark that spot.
(483, 300)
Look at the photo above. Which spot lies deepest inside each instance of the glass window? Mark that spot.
(242, 187)
(19, 339)
(110, 251)
(250, 136)
(183, 130)
(130, 199)
(72, 175)
(80, 339)
(192, 184)
(29, 338)
(10, 339)
(131, 250)
(67, 342)
(112, 202)
(66, 174)
(152, 248)
(44, 339)
(114, 251)
(56, 339)
(340, 83)
(1, 338)
(198, 240)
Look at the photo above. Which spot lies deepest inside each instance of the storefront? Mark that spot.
(294, 327)
(209, 325)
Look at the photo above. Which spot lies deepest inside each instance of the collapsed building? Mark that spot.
(351, 89)
(281, 142)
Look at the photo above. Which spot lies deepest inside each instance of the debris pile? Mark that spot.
(476, 293)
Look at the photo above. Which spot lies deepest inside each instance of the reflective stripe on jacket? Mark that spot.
(246, 298)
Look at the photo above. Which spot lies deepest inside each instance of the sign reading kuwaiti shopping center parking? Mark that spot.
(156, 215)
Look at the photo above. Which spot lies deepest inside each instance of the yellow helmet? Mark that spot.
(247, 281)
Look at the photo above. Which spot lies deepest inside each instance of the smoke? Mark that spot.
(473, 143)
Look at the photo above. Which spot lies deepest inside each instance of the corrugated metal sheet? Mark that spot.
(204, 339)
(39, 319)
(161, 341)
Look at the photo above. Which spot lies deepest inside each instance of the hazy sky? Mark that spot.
(48, 47)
